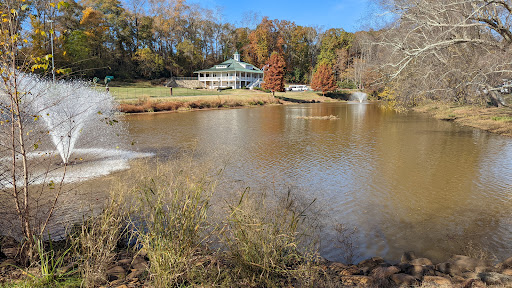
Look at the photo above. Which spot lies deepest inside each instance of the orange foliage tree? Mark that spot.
(323, 79)
(274, 75)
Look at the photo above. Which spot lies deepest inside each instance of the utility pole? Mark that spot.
(51, 40)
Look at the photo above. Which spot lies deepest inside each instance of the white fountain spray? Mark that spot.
(73, 114)
(66, 108)
(359, 96)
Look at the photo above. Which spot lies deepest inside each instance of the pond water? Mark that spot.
(406, 182)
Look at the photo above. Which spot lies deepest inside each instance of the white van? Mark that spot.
(296, 88)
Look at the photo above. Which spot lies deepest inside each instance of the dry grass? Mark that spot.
(188, 103)
(330, 117)
(493, 119)
(96, 241)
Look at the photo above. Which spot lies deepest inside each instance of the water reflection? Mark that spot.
(406, 181)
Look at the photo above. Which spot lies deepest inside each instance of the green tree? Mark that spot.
(150, 64)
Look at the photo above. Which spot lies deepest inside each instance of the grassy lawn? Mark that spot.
(137, 92)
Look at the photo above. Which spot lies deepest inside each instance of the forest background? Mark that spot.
(165, 38)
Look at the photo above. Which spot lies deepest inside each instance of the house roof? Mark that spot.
(232, 65)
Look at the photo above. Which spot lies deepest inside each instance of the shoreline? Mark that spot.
(496, 120)
(131, 268)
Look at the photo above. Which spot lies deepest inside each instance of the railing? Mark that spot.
(254, 84)
(184, 78)
(227, 78)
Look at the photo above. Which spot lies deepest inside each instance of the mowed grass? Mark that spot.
(141, 96)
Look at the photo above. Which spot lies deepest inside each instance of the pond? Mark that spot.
(406, 182)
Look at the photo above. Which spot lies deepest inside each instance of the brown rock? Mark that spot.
(407, 257)
(125, 262)
(481, 269)
(445, 267)
(356, 281)
(473, 283)
(507, 272)
(437, 281)
(463, 264)
(368, 265)
(10, 252)
(134, 274)
(337, 267)
(419, 271)
(505, 264)
(404, 279)
(7, 265)
(420, 261)
(350, 270)
(493, 278)
(384, 272)
(470, 275)
(116, 273)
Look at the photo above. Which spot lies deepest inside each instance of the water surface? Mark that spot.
(406, 181)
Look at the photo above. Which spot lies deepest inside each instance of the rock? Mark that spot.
(116, 273)
(505, 264)
(445, 267)
(9, 247)
(11, 252)
(408, 257)
(134, 274)
(139, 263)
(404, 279)
(493, 278)
(420, 261)
(125, 262)
(470, 275)
(356, 281)
(463, 264)
(336, 266)
(419, 271)
(437, 281)
(481, 269)
(368, 265)
(473, 283)
(8, 264)
(404, 267)
(507, 272)
(350, 270)
(384, 272)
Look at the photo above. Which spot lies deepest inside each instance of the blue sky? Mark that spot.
(347, 14)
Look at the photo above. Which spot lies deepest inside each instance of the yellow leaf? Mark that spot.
(64, 53)
(43, 33)
(52, 4)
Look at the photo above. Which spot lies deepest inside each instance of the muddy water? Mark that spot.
(405, 182)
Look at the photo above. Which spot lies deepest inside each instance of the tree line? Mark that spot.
(165, 38)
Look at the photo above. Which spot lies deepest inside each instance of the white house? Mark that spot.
(231, 73)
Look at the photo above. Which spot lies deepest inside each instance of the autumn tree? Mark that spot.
(274, 73)
(323, 79)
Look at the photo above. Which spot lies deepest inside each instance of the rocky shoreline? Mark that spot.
(131, 270)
